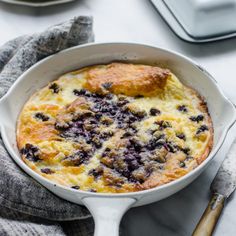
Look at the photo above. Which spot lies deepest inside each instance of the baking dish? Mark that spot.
(107, 209)
(205, 18)
(183, 18)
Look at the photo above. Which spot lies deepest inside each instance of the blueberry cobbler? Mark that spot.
(115, 128)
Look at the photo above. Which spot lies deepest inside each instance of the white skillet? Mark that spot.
(108, 209)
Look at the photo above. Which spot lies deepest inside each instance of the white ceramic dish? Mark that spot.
(107, 209)
(169, 15)
(36, 3)
(205, 18)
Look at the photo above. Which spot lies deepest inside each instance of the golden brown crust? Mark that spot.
(128, 79)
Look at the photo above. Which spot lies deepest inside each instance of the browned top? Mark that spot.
(128, 79)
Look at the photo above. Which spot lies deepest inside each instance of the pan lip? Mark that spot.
(50, 185)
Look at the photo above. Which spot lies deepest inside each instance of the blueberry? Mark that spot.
(107, 85)
(139, 96)
(133, 165)
(186, 150)
(163, 124)
(156, 142)
(98, 116)
(47, 171)
(182, 164)
(171, 147)
(139, 114)
(109, 96)
(107, 149)
(120, 125)
(127, 134)
(96, 172)
(197, 118)
(97, 143)
(106, 134)
(41, 116)
(76, 159)
(201, 129)
(30, 152)
(54, 87)
(136, 145)
(126, 173)
(92, 190)
(113, 112)
(189, 158)
(154, 112)
(75, 187)
(181, 136)
(122, 103)
(81, 92)
(151, 145)
(182, 108)
(132, 119)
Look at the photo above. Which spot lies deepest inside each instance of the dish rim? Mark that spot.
(211, 155)
(36, 4)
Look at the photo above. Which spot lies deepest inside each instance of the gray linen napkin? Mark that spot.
(26, 207)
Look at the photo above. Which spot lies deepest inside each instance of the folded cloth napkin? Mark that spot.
(26, 207)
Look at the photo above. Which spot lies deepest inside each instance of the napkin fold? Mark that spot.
(26, 207)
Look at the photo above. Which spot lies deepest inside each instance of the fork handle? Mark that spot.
(208, 221)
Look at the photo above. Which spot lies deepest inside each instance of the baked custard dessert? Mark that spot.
(115, 128)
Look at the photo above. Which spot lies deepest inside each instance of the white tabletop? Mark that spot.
(138, 21)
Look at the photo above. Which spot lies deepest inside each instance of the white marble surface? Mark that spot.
(138, 21)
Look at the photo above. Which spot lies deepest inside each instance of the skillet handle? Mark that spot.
(107, 213)
(210, 217)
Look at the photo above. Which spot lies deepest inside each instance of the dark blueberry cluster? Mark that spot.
(182, 108)
(133, 162)
(47, 171)
(123, 163)
(137, 160)
(104, 111)
(196, 118)
(163, 124)
(97, 172)
(201, 129)
(156, 142)
(181, 136)
(154, 112)
(75, 187)
(31, 152)
(81, 92)
(87, 130)
(105, 106)
(77, 158)
(171, 147)
(41, 116)
(55, 88)
(186, 150)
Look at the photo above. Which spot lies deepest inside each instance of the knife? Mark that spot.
(222, 187)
